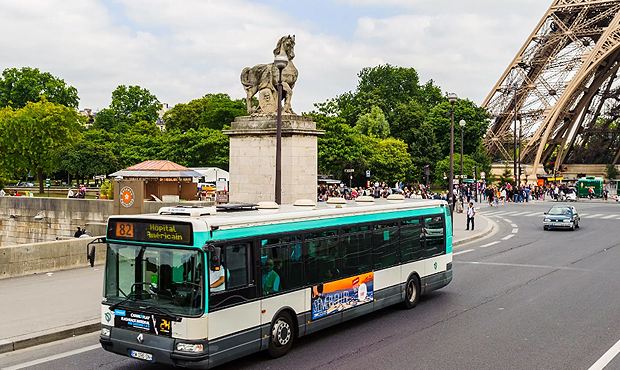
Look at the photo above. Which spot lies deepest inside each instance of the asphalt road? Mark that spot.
(523, 298)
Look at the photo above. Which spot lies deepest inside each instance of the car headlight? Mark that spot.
(547, 220)
(190, 347)
(105, 332)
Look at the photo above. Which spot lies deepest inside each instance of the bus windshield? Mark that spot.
(148, 277)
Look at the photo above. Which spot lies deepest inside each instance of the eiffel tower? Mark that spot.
(560, 96)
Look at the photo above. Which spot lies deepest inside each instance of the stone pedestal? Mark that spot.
(253, 158)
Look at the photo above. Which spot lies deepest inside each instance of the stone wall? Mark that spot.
(26, 259)
(31, 220)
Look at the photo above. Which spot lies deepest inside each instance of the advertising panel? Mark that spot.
(148, 323)
(340, 295)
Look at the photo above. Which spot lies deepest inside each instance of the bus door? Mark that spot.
(434, 243)
(234, 307)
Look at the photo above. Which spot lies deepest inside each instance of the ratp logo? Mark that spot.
(107, 316)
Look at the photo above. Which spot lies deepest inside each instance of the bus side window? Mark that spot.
(357, 248)
(434, 236)
(236, 265)
(410, 240)
(385, 242)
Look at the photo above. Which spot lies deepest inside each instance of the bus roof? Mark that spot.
(287, 213)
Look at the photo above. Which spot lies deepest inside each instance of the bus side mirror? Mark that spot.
(215, 261)
(90, 250)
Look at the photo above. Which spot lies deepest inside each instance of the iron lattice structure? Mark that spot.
(563, 88)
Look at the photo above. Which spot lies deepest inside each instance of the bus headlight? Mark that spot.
(105, 332)
(547, 220)
(190, 347)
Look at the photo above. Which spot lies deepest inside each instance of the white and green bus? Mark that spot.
(197, 287)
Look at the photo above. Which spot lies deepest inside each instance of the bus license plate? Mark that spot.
(141, 355)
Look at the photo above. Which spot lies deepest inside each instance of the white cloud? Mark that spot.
(182, 50)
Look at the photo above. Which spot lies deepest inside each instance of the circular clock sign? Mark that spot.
(127, 197)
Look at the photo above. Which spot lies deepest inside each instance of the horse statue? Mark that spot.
(263, 79)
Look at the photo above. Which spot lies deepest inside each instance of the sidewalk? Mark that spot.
(47, 307)
(483, 228)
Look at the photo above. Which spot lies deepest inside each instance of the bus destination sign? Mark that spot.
(151, 232)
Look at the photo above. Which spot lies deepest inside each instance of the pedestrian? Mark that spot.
(471, 213)
(78, 233)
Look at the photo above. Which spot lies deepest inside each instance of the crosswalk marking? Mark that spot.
(609, 216)
(595, 216)
(583, 214)
(461, 252)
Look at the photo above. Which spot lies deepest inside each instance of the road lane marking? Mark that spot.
(508, 236)
(461, 252)
(509, 213)
(514, 225)
(53, 357)
(507, 220)
(609, 216)
(490, 244)
(595, 216)
(583, 214)
(526, 265)
(514, 231)
(607, 357)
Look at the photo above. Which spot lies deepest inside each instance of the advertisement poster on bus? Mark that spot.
(340, 295)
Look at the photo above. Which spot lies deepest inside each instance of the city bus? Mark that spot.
(200, 286)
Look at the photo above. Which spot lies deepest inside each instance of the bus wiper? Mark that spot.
(162, 311)
(129, 297)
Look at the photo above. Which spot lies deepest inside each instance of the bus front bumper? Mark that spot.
(157, 349)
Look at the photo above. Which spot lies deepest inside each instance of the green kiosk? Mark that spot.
(585, 183)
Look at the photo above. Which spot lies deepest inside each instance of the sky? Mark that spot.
(181, 50)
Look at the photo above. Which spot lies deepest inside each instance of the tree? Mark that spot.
(373, 124)
(23, 85)
(85, 159)
(611, 171)
(197, 148)
(130, 105)
(31, 136)
(339, 148)
(442, 168)
(389, 160)
(212, 111)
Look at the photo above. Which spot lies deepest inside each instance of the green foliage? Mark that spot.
(443, 167)
(212, 111)
(339, 147)
(373, 124)
(611, 171)
(389, 160)
(107, 189)
(30, 136)
(18, 86)
(418, 114)
(130, 105)
(197, 148)
(86, 159)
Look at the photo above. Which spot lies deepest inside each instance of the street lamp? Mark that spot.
(452, 98)
(519, 157)
(280, 61)
(462, 123)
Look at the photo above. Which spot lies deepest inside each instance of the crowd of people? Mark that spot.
(377, 190)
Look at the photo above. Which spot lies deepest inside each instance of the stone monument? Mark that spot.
(253, 137)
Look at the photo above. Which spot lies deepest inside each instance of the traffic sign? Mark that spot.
(367, 173)
(48, 183)
(482, 174)
(349, 170)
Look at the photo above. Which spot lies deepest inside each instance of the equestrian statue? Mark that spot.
(263, 79)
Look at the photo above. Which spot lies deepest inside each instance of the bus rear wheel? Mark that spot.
(412, 292)
(282, 335)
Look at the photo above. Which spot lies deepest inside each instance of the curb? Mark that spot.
(52, 335)
(479, 236)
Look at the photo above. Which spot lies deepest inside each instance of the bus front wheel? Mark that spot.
(412, 292)
(282, 335)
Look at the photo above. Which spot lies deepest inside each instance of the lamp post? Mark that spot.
(452, 99)
(462, 124)
(514, 161)
(280, 61)
(519, 157)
